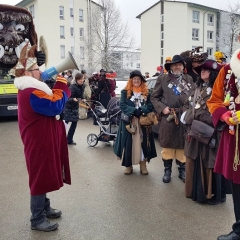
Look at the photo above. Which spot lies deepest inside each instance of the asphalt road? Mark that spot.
(102, 203)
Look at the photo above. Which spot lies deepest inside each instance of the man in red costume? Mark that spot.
(224, 106)
(43, 136)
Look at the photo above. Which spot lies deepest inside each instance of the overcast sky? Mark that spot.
(131, 8)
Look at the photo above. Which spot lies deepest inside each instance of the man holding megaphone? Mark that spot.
(43, 134)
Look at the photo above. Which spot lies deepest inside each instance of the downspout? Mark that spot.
(204, 27)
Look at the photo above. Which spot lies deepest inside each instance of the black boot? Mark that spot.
(181, 169)
(230, 236)
(167, 170)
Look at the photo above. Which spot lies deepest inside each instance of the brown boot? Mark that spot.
(128, 170)
(143, 167)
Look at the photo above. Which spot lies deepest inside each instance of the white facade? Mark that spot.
(170, 27)
(64, 25)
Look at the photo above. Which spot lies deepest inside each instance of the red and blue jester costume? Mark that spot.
(43, 134)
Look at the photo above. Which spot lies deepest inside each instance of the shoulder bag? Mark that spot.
(148, 119)
(200, 131)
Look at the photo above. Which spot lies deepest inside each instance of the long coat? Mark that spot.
(43, 136)
(226, 150)
(70, 112)
(170, 134)
(194, 148)
(128, 107)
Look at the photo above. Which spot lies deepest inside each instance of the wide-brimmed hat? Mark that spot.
(137, 73)
(175, 59)
(208, 64)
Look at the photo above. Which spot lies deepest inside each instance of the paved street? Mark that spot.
(102, 203)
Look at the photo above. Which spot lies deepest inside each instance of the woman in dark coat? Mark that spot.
(202, 184)
(70, 111)
(139, 147)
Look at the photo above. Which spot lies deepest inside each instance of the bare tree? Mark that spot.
(108, 34)
(229, 29)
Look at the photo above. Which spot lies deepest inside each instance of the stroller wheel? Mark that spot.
(92, 140)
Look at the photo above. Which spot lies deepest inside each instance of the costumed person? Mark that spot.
(17, 28)
(135, 143)
(193, 58)
(224, 105)
(71, 109)
(69, 77)
(103, 95)
(220, 57)
(168, 96)
(43, 135)
(167, 60)
(83, 108)
(201, 183)
(110, 76)
(147, 75)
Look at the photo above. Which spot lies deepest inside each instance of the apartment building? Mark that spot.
(66, 27)
(176, 27)
(125, 61)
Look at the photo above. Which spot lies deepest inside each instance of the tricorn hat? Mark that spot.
(175, 59)
(137, 73)
(208, 64)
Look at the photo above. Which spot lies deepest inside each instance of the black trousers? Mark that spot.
(71, 132)
(236, 204)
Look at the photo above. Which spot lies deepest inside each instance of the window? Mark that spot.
(72, 50)
(162, 35)
(80, 15)
(131, 64)
(62, 51)
(162, 51)
(210, 18)
(195, 33)
(71, 12)
(81, 32)
(61, 12)
(210, 36)
(62, 35)
(82, 52)
(138, 65)
(210, 51)
(31, 10)
(72, 32)
(195, 16)
(82, 66)
(162, 18)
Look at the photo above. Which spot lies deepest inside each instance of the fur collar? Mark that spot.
(24, 82)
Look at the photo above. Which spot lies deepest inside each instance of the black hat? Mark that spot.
(175, 59)
(209, 64)
(137, 73)
(83, 72)
(102, 70)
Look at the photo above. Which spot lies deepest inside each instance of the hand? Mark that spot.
(235, 118)
(166, 111)
(40, 58)
(227, 117)
(75, 99)
(138, 112)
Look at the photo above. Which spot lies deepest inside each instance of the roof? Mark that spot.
(190, 4)
(26, 2)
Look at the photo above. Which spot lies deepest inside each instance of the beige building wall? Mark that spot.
(150, 40)
(177, 33)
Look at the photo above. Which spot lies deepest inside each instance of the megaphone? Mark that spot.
(68, 63)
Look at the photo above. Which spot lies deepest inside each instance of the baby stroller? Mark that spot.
(107, 119)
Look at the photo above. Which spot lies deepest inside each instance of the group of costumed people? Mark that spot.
(208, 92)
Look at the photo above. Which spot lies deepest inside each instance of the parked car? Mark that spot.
(151, 82)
